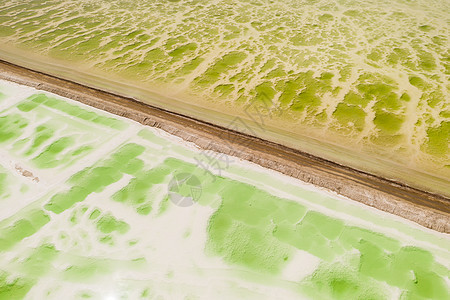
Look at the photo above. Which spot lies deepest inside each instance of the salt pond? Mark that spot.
(94, 205)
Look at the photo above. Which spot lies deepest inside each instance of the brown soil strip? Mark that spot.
(427, 209)
(26, 173)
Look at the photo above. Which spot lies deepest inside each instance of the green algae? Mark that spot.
(43, 144)
(265, 255)
(27, 106)
(353, 98)
(136, 192)
(388, 122)
(439, 139)
(190, 66)
(265, 92)
(108, 224)
(6, 31)
(95, 179)
(49, 157)
(211, 185)
(350, 114)
(418, 82)
(183, 50)
(94, 215)
(15, 288)
(163, 206)
(426, 61)
(311, 90)
(73, 110)
(42, 134)
(256, 230)
(88, 269)
(85, 272)
(333, 281)
(11, 127)
(39, 262)
(62, 201)
(306, 99)
(22, 228)
(433, 99)
(223, 65)
(224, 89)
(313, 234)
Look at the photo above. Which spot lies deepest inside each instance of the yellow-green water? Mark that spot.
(369, 81)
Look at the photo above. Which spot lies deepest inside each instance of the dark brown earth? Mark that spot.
(428, 209)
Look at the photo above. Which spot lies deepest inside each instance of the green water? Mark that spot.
(370, 77)
(109, 216)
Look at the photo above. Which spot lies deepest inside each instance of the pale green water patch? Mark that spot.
(259, 231)
(70, 109)
(27, 225)
(95, 179)
(112, 218)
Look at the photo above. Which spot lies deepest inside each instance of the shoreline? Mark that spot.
(425, 208)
